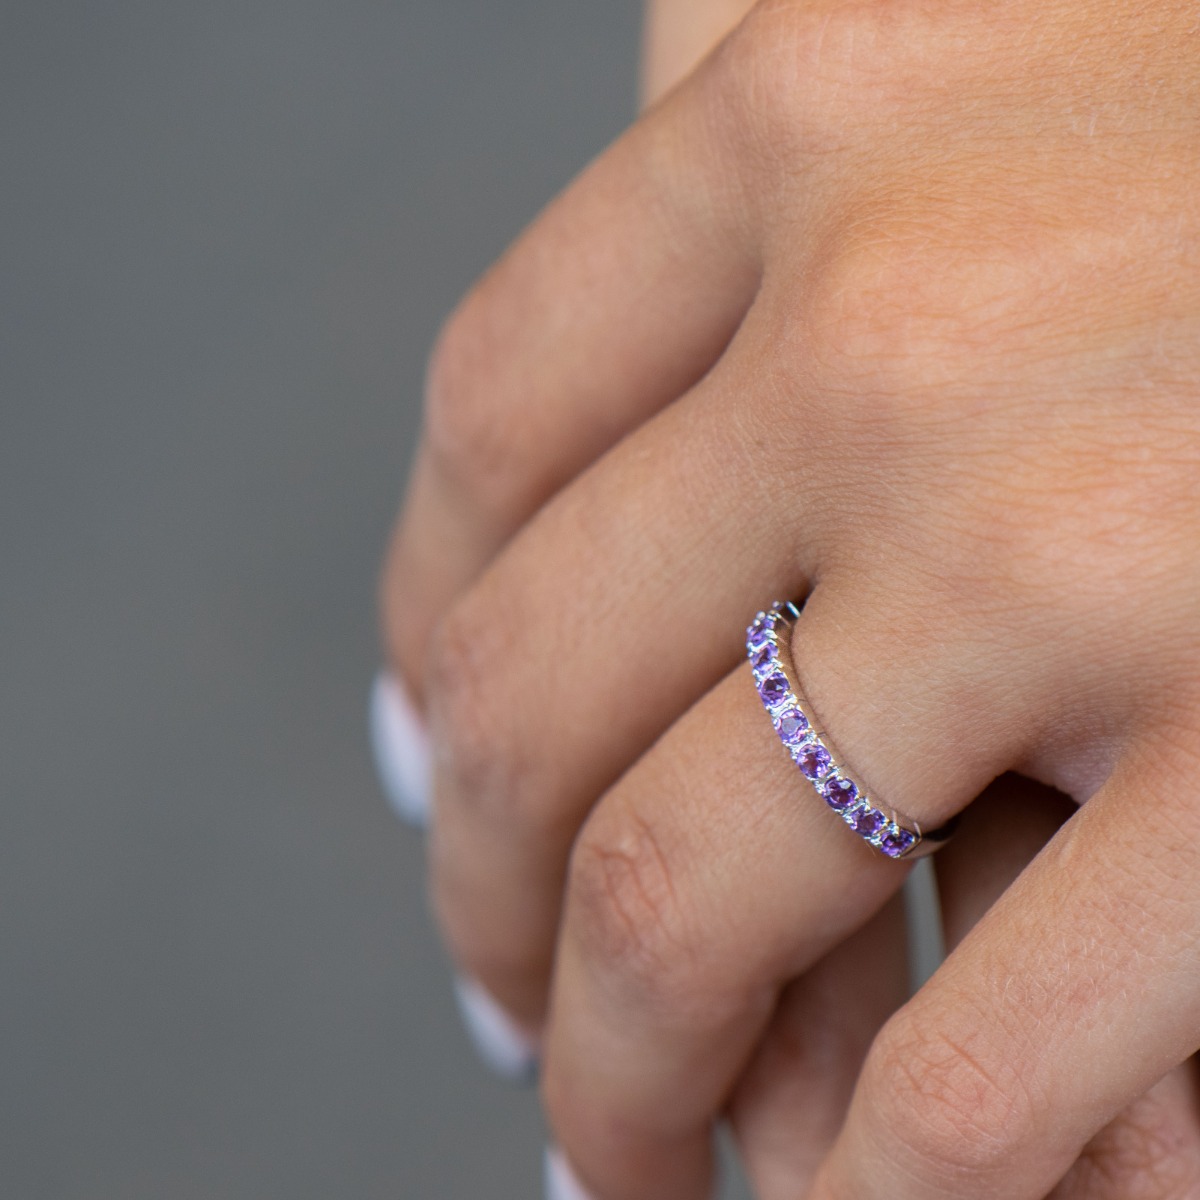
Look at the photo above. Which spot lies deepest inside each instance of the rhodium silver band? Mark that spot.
(768, 645)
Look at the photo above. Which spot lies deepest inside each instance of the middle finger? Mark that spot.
(567, 659)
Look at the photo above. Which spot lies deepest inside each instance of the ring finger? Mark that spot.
(705, 882)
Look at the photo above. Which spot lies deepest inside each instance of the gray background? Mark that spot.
(228, 232)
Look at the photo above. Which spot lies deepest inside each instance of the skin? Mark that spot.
(893, 306)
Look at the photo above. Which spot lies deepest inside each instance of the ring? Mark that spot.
(767, 644)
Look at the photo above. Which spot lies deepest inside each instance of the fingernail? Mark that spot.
(402, 755)
(506, 1048)
(561, 1183)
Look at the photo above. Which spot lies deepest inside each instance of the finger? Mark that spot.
(789, 1104)
(996, 839)
(565, 661)
(1072, 997)
(703, 884)
(615, 609)
(617, 299)
(704, 881)
(1151, 1150)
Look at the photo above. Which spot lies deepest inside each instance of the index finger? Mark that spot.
(618, 298)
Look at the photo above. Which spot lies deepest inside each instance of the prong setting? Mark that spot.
(769, 653)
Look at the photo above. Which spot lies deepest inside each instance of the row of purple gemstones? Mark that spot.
(808, 753)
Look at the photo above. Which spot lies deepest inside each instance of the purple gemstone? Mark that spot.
(764, 657)
(896, 841)
(759, 632)
(792, 726)
(813, 760)
(868, 821)
(839, 793)
(773, 689)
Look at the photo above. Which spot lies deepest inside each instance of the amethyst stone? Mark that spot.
(792, 726)
(773, 689)
(764, 657)
(896, 841)
(868, 821)
(759, 632)
(839, 793)
(813, 760)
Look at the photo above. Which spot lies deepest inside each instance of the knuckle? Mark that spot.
(628, 912)
(481, 447)
(478, 754)
(804, 73)
(956, 1106)
(897, 312)
(762, 85)
(1108, 488)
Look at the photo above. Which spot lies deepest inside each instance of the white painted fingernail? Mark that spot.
(501, 1042)
(561, 1183)
(402, 755)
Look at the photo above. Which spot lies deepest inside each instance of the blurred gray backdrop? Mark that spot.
(228, 232)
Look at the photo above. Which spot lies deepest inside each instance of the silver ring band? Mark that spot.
(768, 647)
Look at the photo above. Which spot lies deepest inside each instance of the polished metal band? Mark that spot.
(768, 644)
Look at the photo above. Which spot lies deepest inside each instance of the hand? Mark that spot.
(913, 332)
